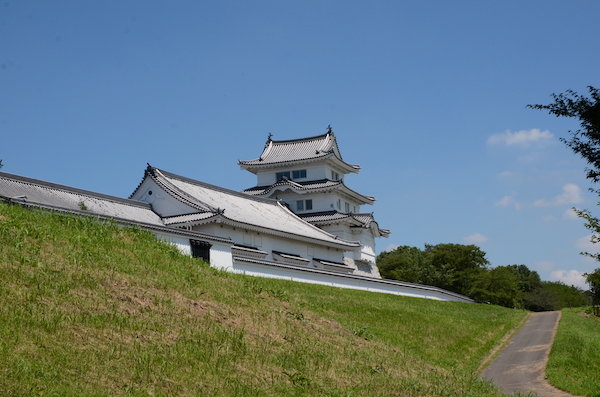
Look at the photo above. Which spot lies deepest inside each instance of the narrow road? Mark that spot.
(522, 364)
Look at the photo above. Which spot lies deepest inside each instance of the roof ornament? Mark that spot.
(329, 130)
(269, 140)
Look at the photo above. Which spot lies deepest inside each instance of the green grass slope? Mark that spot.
(574, 362)
(91, 309)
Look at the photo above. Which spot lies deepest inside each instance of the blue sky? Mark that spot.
(428, 96)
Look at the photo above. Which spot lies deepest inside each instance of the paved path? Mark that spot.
(522, 363)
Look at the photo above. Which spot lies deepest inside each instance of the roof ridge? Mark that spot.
(73, 190)
(214, 187)
(310, 138)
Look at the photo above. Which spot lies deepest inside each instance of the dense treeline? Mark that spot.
(464, 269)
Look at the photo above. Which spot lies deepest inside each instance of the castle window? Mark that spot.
(335, 176)
(347, 207)
(200, 249)
(299, 174)
(302, 205)
(280, 175)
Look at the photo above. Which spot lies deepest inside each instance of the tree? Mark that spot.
(594, 280)
(498, 286)
(585, 141)
(454, 267)
(462, 264)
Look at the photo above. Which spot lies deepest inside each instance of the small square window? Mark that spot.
(300, 205)
(309, 204)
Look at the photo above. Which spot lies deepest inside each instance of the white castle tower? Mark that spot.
(308, 175)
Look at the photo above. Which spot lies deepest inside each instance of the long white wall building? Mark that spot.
(299, 223)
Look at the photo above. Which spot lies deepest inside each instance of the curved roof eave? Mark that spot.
(299, 188)
(220, 218)
(255, 165)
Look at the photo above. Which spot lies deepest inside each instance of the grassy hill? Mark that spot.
(91, 309)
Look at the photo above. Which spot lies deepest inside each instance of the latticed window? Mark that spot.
(299, 174)
(200, 249)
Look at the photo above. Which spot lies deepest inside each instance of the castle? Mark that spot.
(301, 222)
(308, 176)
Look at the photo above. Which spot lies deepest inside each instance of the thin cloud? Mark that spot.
(586, 244)
(507, 201)
(569, 277)
(571, 195)
(521, 138)
(391, 247)
(545, 265)
(476, 238)
(570, 214)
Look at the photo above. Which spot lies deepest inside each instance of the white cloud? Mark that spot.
(585, 244)
(506, 174)
(476, 238)
(391, 247)
(570, 214)
(545, 265)
(508, 201)
(521, 138)
(571, 195)
(569, 277)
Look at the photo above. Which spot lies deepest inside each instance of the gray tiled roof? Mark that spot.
(238, 208)
(35, 192)
(309, 187)
(294, 150)
(66, 199)
(328, 217)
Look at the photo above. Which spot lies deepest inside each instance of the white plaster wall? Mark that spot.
(220, 256)
(269, 243)
(182, 243)
(313, 173)
(321, 201)
(343, 281)
(161, 202)
(220, 253)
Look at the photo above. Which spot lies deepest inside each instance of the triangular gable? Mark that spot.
(215, 203)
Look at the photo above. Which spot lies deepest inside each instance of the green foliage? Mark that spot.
(585, 141)
(464, 269)
(461, 264)
(594, 280)
(454, 267)
(499, 286)
(554, 295)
